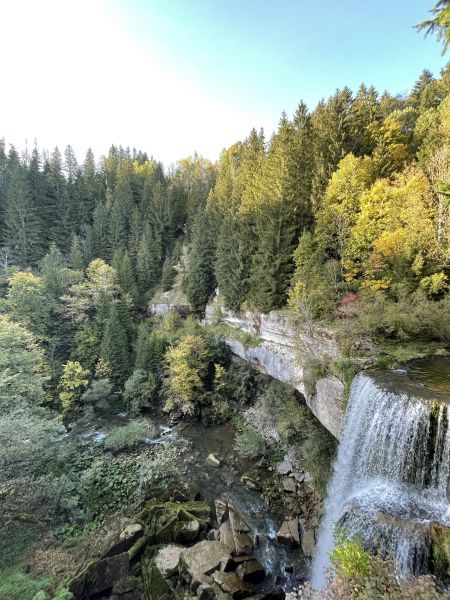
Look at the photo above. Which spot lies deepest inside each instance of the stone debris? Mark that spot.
(212, 461)
(167, 558)
(288, 533)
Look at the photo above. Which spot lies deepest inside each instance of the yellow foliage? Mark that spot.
(73, 382)
(394, 234)
(187, 363)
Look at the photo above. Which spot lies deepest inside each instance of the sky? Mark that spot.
(171, 77)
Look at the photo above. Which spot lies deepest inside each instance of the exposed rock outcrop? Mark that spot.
(283, 352)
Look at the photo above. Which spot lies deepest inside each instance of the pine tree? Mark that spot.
(22, 231)
(125, 275)
(114, 347)
(232, 264)
(200, 276)
(168, 274)
(76, 253)
(148, 262)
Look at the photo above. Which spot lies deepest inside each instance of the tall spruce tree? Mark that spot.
(22, 232)
(114, 347)
(201, 280)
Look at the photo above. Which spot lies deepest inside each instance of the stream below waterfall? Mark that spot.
(284, 565)
(391, 478)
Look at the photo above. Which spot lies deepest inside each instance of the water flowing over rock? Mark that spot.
(391, 476)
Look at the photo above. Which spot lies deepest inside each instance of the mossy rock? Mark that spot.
(155, 586)
(440, 545)
(163, 521)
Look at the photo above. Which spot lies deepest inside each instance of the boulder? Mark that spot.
(126, 589)
(186, 532)
(308, 542)
(237, 523)
(243, 544)
(126, 538)
(250, 483)
(275, 594)
(231, 584)
(226, 536)
(285, 467)
(167, 558)
(251, 571)
(202, 559)
(221, 508)
(232, 562)
(212, 461)
(100, 576)
(205, 591)
(288, 533)
(289, 485)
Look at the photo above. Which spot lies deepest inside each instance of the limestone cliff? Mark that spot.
(283, 352)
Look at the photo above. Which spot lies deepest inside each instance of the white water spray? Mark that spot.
(391, 476)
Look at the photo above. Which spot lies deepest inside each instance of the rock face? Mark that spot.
(283, 351)
(167, 559)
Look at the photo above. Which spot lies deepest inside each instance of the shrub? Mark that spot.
(130, 435)
(140, 391)
(158, 471)
(348, 558)
(248, 443)
(15, 584)
(313, 370)
(98, 394)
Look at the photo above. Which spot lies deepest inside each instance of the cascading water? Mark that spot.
(391, 475)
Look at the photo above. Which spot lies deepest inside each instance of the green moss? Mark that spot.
(313, 370)
(345, 369)
(247, 339)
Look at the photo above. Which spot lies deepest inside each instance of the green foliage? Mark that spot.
(200, 276)
(250, 444)
(22, 368)
(158, 471)
(345, 369)
(349, 559)
(298, 427)
(114, 348)
(440, 25)
(107, 484)
(130, 435)
(72, 384)
(16, 584)
(140, 391)
(98, 394)
(313, 370)
(187, 364)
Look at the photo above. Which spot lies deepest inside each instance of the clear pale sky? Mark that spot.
(173, 76)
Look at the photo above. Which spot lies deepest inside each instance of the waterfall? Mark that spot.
(391, 476)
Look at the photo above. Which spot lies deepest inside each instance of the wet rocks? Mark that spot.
(202, 559)
(221, 508)
(186, 531)
(308, 542)
(251, 571)
(289, 533)
(231, 584)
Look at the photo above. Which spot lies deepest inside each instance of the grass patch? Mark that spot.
(247, 339)
(130, 435)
